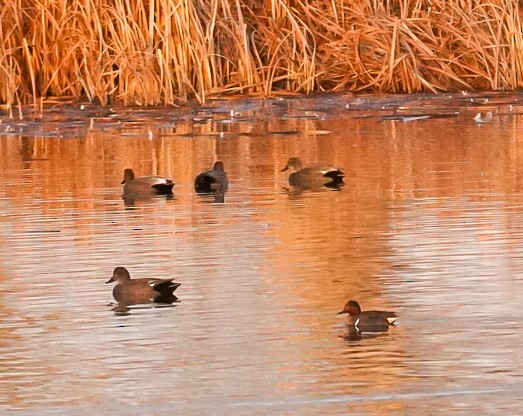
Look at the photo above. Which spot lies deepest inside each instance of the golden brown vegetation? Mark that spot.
(150, 52)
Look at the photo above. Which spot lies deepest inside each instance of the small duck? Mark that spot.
(367, 320)
(313, 177)
(138, 291)
(214, 180)
(145, 185)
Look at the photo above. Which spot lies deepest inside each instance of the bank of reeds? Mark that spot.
(149, 52)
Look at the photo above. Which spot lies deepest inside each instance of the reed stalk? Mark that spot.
(163, 52)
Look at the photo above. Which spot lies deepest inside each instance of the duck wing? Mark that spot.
(333, 175)
(330, 171)
(163, 188)
(385, 314)
(164, 284)
(148, 185)
(317, 177)
(160, 184)
(163, 290)
(377, 316)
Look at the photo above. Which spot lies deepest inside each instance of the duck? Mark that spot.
(144, 186)
(313, 177)
(367, 320)
(214, 180)
(144, 290)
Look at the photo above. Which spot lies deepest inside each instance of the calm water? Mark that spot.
(430, 224)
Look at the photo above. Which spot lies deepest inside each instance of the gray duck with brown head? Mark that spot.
(144, 186)
(313, 177)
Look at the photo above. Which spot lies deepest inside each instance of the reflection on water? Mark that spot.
(126, 308)
(132, 200)
(428, 224)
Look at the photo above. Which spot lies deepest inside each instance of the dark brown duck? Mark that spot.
(144, 290)
(214, 180)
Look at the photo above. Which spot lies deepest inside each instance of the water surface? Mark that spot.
(428, 224)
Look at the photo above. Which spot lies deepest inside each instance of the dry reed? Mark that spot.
(150, 52)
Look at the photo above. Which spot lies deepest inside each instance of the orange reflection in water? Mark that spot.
(264, 274)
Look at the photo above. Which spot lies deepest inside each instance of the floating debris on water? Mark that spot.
(480, 120)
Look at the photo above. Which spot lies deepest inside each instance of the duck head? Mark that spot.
(218, 165)
(128, 175)
(293, 164)
(352, 308)
(120, 274)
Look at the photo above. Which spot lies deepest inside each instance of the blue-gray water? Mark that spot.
(429, 224)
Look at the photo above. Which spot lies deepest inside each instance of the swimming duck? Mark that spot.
(135, 291)
(367, 320)
(214, 180)
(314, 176)
(144, 186)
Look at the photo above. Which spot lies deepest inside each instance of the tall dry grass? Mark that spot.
(150, 52)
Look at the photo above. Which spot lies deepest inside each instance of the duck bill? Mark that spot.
(340, 312)
(110, 280)
(284, 169)
(121, 183)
